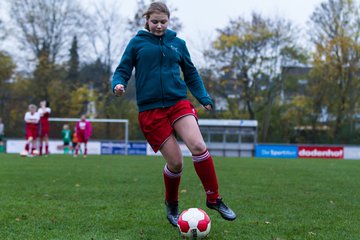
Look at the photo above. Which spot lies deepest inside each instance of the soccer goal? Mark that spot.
(102, 120)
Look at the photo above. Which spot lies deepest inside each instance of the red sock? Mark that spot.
(76, 150)
(27, 147)
(205, 169)
(40, 150)
(172, 182)
(47, 149)
(85, 151)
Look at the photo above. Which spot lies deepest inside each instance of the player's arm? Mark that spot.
(193, 80)
(29, 118)
(123, 71)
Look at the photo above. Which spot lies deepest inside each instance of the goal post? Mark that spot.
(100, 120)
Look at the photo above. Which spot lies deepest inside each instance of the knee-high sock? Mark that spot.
(40, 149)
(204, 167)
(76, 150)
(172, 182)
(33, 147)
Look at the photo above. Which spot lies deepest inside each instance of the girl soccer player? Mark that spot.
(44, 112)
(83, 133)
(31, 119)
(164, 111)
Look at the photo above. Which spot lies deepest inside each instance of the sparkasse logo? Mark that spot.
(320, 152)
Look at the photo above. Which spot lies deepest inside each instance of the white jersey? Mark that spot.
(82, 125)
(32, 118)
(43, 111)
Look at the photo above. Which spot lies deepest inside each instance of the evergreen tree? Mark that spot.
(73, 64)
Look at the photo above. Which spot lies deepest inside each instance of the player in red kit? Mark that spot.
(32, 119)
(83, 133)
(44, 112)
(160, 59)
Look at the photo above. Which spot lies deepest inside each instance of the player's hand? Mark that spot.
(119, 90)
(208, 107)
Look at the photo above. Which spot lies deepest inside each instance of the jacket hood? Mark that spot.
(167, 37)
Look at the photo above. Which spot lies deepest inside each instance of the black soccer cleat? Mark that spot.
(172, 212)
(225, 212)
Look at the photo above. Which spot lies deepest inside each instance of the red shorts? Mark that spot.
(81, 137)
(44, 131)
(32, 131)
(157, 124)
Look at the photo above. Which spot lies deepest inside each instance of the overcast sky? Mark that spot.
(207, 15)
(200, 18)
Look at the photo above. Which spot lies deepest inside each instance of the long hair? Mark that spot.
(155, 7)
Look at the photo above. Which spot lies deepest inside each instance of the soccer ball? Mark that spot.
(194, 223)
(35, 152)
(24, 153)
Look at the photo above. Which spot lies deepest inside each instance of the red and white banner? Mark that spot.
(320, 152)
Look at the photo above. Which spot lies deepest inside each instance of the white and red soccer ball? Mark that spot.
(25, 153)
(194, 223)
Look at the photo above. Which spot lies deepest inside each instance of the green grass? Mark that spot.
(118, 197)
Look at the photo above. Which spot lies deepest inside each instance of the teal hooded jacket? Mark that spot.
(158, 63)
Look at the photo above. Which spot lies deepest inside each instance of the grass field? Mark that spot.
(121, 197)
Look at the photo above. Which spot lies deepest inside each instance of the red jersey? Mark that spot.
(44, 121)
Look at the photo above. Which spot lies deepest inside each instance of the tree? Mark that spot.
(106, 28)
(3, 30)
(46, 25)
(105, 32)
(7, 68)
(335, 33)
(248, 56)
(73, 65)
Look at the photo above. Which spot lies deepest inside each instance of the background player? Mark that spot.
(44, 112)
(66, 136)
(32, 119)
(2, 126)
(83, 133)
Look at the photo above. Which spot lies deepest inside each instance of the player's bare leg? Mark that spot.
(33, 147)
(77, 149)
(171, 152)
(46, 140)
(187, 128)
(85, 149)
(27, 145)
(40, 145)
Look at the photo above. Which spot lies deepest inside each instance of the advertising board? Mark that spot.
(276, 151)
(331, 152)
